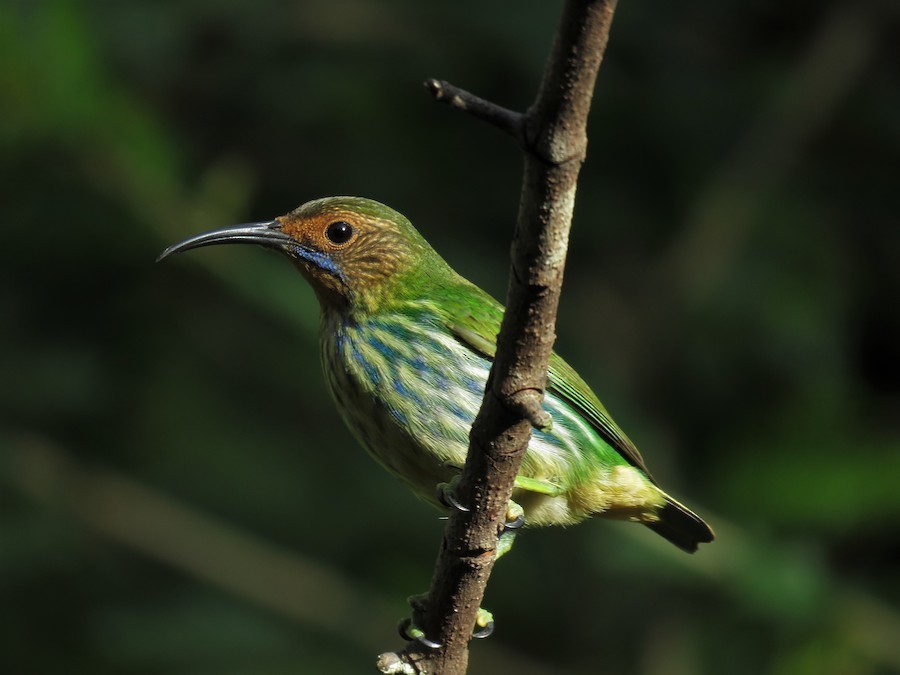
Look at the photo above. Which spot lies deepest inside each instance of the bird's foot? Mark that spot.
(515, 516)
(409, 632)
(515, 519)
(446, 495)
(484, 625)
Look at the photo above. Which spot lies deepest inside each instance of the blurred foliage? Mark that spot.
(177, 494)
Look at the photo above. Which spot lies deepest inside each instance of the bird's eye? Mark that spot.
(339, 232)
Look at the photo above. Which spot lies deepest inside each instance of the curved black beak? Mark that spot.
(267, 234)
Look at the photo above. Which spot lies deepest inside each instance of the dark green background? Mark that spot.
(177, 493)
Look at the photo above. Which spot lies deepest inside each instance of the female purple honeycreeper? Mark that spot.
(406, 346)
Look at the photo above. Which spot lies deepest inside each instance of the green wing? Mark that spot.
(474, 318)
(566, 384)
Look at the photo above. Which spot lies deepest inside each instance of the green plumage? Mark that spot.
(406, 347)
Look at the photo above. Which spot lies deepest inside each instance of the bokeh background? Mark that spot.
(177, 493)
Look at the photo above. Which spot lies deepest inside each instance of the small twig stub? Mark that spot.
(504, 119)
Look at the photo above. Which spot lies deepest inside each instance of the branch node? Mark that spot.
(528, 404)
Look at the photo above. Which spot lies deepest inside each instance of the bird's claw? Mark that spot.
(409, 631)
(447, 496)
(515, 517)
(515, 524)
(487, 631)
(485, 623)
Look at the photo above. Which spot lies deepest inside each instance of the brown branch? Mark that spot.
(504, 119)
(554, 139)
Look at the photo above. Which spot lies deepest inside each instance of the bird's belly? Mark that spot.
(400, 425)
(396, 450)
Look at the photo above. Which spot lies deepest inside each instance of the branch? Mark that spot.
(554, 140)
(504, 119)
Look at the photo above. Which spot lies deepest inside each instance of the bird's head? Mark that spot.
(356, 253)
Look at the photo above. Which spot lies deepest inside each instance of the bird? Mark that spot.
(406, 345)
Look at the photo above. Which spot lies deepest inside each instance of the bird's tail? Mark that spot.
(681, 526)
